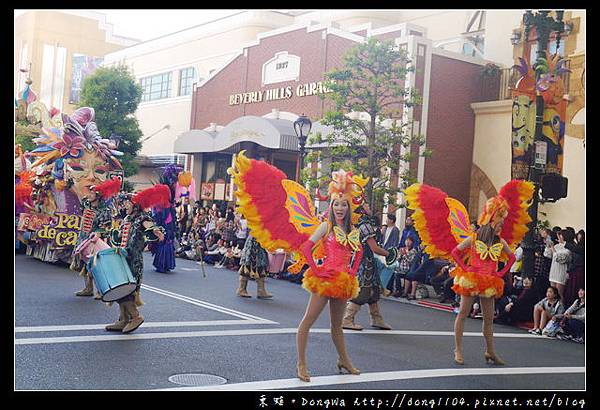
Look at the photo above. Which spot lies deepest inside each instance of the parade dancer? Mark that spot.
(96, 219)
(137, 228)
(443, 224)
(254, 262)
(368, 275)
(166, 217)
(281, 214)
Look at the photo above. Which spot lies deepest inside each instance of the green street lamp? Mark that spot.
(302, 128)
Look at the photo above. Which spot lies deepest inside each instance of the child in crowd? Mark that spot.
(546, 310)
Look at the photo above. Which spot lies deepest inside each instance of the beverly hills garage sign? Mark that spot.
(281, 93)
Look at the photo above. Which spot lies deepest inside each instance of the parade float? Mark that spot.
(52, 179)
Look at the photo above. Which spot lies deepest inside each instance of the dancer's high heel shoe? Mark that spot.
(349, 369)
(458, 358)
(493, 359)
(303, 374)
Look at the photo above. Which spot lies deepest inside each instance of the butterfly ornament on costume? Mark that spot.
(352, 239)
(493, 252)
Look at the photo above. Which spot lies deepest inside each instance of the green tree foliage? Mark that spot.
(26, 142)
(371, 81)
(115, 95)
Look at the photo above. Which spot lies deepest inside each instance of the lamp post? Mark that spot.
(544, 25)
(302, 128)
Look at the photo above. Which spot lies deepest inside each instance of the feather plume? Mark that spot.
(157, 196)
(109, 188)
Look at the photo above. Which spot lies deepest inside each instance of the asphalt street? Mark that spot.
(197, 324)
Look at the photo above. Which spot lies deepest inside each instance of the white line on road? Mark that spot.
(383, 376)
(203, 304)
(29, 329)
(244, 332)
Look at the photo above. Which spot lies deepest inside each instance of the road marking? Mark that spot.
(31, 329)
(203, 304)
(245, 332)
(382, 376)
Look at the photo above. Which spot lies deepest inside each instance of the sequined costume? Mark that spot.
(341, 283)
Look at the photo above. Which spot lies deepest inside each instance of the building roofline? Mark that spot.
(194, 33)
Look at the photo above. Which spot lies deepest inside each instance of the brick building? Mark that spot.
(252, 101)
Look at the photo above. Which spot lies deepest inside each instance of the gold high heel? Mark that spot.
(349, 369)
(303, 374)
(493, 359)
(458, 358)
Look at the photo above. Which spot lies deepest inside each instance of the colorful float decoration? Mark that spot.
(551, 87)
(51, 180)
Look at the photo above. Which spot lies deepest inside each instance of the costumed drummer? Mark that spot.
(137, 229)
(443, 224)
(281, 214)
(368, 274)
(96, 219)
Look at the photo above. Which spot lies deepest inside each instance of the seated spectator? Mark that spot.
(421, 267)
(215, 252)
(545, 310)
(572, 323)
(227, 258)
(442, 284)
(518, 306)
(408, 255)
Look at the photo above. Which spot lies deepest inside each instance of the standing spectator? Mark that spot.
(242, 231)
(542, 263)
(183, 214)
(228, 231)
(573, 321)
(576, 278)
(545, 310)
(409, 230)
(229, 215)
(405, 261)
(391, 233)
(518, 307)
(561, 258)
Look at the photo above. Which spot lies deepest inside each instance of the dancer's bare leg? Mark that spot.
(336, 312)
(315, 306)
(466, 302)
(487, 310)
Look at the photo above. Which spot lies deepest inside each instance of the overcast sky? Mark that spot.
(147, 24)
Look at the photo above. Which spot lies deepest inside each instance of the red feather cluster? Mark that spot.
(24, 189)
(158, 196)
(109, 188)
(435, 211)
(263, 183)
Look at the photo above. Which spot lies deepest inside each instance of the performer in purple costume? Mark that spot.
(164, 251)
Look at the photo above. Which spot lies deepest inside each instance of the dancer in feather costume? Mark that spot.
(443, 224)
(281, 214)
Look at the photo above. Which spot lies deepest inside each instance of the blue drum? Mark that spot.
(112, 275)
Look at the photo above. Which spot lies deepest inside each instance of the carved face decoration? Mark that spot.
(86, 171)
(523, 125)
